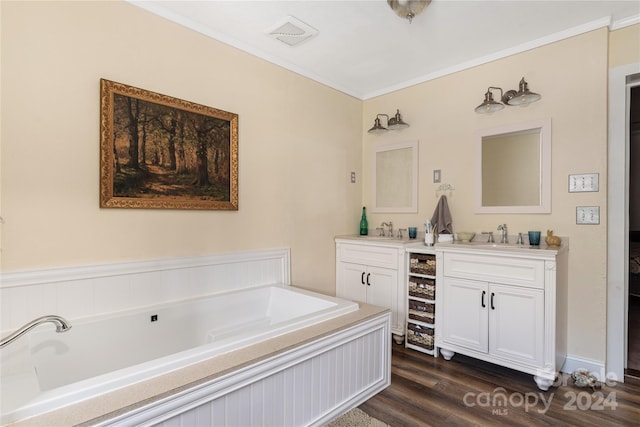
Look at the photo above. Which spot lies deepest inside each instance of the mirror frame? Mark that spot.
(413, 145)
(545, 167)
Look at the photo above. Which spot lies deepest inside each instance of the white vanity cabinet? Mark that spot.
(505, 305)
(368, 271)
(474, 311)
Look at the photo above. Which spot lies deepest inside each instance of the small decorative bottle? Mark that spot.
(364, 226)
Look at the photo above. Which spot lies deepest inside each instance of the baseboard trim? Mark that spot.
(596, 367)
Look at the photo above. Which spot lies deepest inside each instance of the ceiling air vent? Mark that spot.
(291, 31)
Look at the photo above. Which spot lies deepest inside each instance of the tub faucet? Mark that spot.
(62, 325)
(505, 233)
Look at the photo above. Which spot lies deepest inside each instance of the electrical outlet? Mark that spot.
(353, 177)
(588, 215)
(587, 182)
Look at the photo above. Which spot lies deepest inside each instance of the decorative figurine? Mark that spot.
(551, 239)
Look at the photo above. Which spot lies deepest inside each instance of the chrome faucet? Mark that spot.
(62, 325)
(390, 226)
(490, 238)
(505, 233)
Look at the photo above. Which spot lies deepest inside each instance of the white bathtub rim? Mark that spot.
(90, 388)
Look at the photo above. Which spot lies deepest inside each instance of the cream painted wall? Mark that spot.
(294, 188)
(624, 46)
(571, 76)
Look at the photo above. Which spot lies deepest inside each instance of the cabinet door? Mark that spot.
(516, 323)
(381, 288)
(351, 282)
(464, 313)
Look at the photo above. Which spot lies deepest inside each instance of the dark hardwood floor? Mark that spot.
(428, 391)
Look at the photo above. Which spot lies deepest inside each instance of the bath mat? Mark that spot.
(356, 418)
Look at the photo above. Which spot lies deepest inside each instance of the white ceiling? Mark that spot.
(364, 49)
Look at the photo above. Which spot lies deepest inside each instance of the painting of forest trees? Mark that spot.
(161, 152)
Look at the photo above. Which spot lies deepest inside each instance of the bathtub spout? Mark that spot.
(62, 325)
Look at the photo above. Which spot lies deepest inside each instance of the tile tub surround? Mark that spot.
(101, 409)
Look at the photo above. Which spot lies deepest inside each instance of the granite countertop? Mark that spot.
(379, 240)
(506, 248)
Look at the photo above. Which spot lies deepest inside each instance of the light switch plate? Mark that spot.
(587, 214)
(436, 175)
(587, 182)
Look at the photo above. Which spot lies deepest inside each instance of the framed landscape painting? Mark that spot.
(162, 152)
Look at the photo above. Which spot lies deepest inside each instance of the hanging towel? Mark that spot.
(442, 217)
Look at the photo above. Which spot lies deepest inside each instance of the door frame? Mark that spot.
(621, 79)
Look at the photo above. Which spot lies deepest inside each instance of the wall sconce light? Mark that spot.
(522, 97)
(393, 123)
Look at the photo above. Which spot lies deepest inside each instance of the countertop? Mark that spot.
(387, 241)
(539, 251)
(417, 245)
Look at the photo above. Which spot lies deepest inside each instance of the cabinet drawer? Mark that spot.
(496, 269)
(378, 256)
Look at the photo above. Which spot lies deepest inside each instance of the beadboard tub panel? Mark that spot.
(307, 386)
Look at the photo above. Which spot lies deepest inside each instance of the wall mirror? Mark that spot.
(513, 168)
(395, 178)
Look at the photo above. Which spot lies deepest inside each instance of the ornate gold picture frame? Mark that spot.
(159, 152)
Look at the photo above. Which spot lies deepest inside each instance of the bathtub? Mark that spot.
(46, 370)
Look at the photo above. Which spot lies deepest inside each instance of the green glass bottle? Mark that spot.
(364, 225)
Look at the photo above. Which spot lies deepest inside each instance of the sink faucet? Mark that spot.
(390, 226)
(490, 238)
(62, 325)
(505, 233)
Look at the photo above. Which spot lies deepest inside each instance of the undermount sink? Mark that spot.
(385, 239)
(503, 246)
